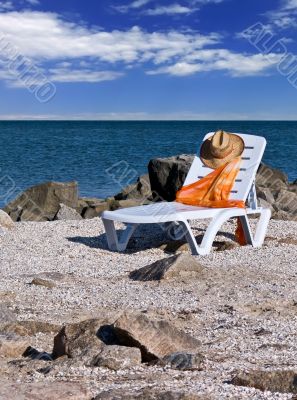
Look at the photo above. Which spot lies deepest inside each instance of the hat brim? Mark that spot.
(212, 162)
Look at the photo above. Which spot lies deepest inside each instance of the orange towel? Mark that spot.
(213, 191)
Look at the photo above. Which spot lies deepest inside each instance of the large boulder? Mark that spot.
(154, 338)
(167, 175)
(42, 202)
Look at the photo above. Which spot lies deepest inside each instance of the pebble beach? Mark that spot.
(242, 307)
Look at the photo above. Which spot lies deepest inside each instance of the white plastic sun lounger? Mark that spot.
(177, 214)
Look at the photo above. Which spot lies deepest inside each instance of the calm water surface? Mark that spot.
(34, 152)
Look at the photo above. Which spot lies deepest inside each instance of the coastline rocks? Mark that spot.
(42, 202)
(140, 190)
(5, 220)
(167, 175)
(92, 207)
(179, 266)
(66, 213)
(154, 338)
(59, 201)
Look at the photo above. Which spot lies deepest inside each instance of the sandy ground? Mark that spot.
(243, 308)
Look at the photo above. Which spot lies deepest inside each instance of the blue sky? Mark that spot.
(148, 59)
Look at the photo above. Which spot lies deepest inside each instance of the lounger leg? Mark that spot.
(111, 235)
(214, 227)
(265, 215)
(113, 242)
(190, 238)
(209, 235)
(126, 235)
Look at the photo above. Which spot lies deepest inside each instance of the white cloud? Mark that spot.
(173, 9)
(237, 65)
(45, 36)
(33, 2)
(285, 16)
(290, 4)
(134, 5)
(82, 75)
(67, 52)
(6, 5)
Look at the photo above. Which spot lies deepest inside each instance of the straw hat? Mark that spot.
(221, 148)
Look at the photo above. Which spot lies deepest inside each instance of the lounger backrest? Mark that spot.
(251, 158)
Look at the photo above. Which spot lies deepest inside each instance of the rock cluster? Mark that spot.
(131, 339)
(60, 201)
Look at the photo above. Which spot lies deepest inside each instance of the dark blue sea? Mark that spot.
(97, 154)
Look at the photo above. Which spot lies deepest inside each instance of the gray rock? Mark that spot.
(286, 201)
(271, 177)
(265, 194)
(117, 357)
(178, 266)
(43, 282)
(155, 338)
(66, 213)
(79, 340)
(95, 210)
(35, 354)
(5, 220)
(275, 381)
(265, 204)
(54, 276)
(167, 175)
(183, 361)
(42, 202)
(140, 190)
